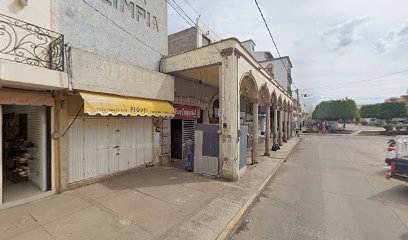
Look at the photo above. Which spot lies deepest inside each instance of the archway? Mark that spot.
(248, 111)
(264, 118)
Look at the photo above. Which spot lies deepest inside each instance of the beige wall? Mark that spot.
(37, 12)
(18, 75)
(96, 73)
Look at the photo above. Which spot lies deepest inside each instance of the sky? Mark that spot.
(349, 48)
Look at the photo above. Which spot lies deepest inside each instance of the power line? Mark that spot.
(274, 43)
(185, 14)
(195, 10)
(360, 81)
(197, 27)
(193, 24)
(110, 20)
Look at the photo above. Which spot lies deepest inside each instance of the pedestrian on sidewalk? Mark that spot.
(189, 151)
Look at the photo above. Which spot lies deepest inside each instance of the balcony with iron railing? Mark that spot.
(27, 43)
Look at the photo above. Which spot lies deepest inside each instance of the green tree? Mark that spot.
(392, 110)
(369, 111)
(336, 110)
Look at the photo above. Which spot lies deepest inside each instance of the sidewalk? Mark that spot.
(150, 203)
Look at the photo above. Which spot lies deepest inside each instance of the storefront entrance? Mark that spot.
(26, 151)
(183, 128)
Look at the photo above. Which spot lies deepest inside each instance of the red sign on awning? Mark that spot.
(186, 112)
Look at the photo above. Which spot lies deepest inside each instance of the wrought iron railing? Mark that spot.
(30, 44)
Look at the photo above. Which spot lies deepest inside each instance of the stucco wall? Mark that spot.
(17, 75)
(88, 29)
(188, 88)
(96, 73)
(280, 72)
(36, 12)
(207, 32)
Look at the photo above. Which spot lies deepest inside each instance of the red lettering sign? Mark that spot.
(186, 112)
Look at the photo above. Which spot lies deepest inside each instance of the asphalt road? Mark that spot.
(331, 187)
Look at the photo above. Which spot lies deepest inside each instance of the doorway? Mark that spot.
(26, 151)
(176, 138)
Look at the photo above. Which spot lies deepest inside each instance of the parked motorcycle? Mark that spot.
(391, 151)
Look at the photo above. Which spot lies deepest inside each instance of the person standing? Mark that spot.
(190, 154)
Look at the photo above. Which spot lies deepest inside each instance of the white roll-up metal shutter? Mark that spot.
(100, 146)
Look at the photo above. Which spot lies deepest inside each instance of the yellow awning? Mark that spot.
(95, 103)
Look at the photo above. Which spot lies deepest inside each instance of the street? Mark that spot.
(331, 187)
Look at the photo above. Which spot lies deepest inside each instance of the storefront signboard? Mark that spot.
(186, 112)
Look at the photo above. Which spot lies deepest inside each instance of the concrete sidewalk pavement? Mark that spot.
(150, 203)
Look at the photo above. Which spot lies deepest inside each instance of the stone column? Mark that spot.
(287, 126)
(290, 125)
(229, 117)
(268, 131)
(275, 125)
(1, 156)
(255, 130)
(280, 127)
(284, 126)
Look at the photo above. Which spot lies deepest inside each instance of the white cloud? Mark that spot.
(392, 39)
(345, 33)
(298, 28)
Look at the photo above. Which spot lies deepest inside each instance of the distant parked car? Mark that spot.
(364, 123)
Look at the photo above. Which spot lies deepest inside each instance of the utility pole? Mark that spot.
(298, 110)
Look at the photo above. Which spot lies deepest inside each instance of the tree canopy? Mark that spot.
(335, 110)
(392, 110)
(369, 111)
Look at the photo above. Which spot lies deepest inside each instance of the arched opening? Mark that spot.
(248, 109)
(264, 118)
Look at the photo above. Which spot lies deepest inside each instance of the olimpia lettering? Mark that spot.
(136, 12)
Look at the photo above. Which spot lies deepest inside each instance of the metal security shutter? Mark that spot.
(188, 131)
(100, 146)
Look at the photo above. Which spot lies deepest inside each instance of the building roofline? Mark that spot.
(259, 67)
(184, 30)
(249, 40)
(285, 57)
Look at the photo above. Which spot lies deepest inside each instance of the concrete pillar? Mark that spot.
(289, 125)
(165, 142)
(255, 130)
(1, 156)
(206, 119)
(285, 127)
(275, 125)
(280, 127)
(268, 131)
(229, 118)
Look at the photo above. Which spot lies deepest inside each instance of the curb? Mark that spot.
(236, 221)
